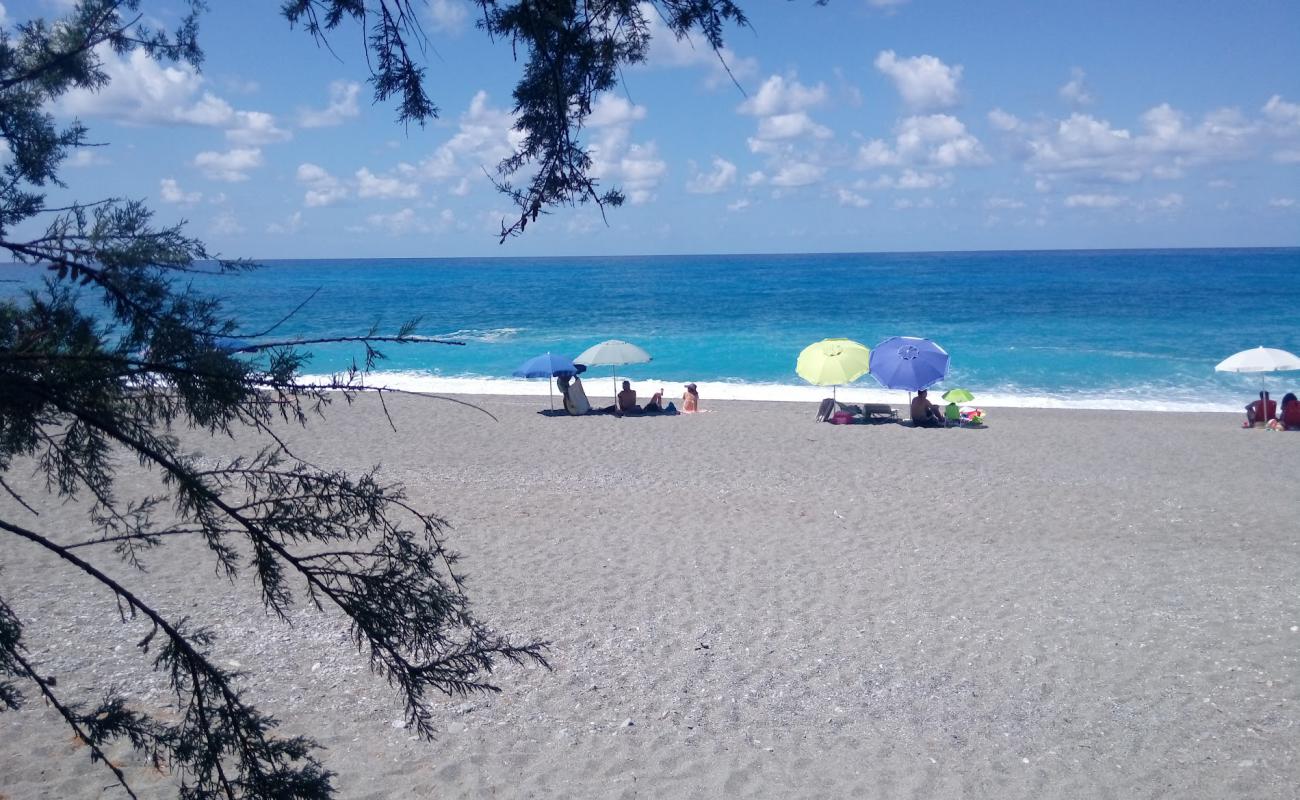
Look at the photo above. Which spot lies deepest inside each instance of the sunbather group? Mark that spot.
(575, 400)
(1264, 412)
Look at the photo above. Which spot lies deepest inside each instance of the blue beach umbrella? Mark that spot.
(547, 365)
(907, 362)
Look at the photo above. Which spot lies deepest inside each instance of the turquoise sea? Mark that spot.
(1097, 329)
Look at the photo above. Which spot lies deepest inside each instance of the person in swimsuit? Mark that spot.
(625, 403)
(691, 399)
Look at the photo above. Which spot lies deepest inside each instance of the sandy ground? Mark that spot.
(746, 603)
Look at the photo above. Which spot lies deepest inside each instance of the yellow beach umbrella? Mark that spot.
(832, 362)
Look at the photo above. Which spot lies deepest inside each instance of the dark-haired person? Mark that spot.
(1260, 411)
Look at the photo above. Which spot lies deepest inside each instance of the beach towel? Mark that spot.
(575, 399)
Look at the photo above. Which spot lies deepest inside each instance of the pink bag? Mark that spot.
(841, 418)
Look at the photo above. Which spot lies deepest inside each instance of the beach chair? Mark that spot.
(881, 411)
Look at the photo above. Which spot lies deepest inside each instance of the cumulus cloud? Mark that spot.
(231, 166)
(779, 95)
(924, 82)
(291, 225)
(448, 16)
(1003, 121)
(933, 140)
(1007, 203)
(668, 51)
(398, 222)
(323, 189)
(1075, 91)
(342, 106)
(372, 185)
(170, 191)
(722, 176)
(1165, 145)
(791, 126)
(611, 109)
(1282, 202)
(251, 128)
(851, 199)
(911, 179)
(797, 174)
(1095, 201)
(738, 205)
(141, 91)
(484, 136)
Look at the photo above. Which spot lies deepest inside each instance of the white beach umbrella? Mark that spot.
(1261, 360)
(612, 353)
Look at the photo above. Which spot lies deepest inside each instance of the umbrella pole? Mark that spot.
(550, 388)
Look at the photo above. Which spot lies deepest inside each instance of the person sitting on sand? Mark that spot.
(1288, 419)
(1260, 411)
(625, 403)
(924, 413)
(656, 403)
(691, 399)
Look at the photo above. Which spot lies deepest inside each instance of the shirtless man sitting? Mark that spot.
(924, 413)
(625, 403)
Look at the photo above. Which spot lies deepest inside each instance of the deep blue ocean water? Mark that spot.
(1109, 329)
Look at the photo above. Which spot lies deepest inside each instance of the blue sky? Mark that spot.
(866, 125)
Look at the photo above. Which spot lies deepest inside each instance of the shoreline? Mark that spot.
(601, 386)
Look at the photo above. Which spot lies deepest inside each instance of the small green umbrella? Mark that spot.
(958, 396)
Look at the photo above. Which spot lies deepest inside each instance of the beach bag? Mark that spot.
(841, 418)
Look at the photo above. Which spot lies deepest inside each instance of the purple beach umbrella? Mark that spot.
(907, 362)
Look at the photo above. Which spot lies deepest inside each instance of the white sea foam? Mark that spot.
(598, 386)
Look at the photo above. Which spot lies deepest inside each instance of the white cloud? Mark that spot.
(938, 140)
(1165, 147)
(226, 224)
(722, 176)
(791, 126)
(1095, 201)
(666, 50)
(141, 91)
(448, 16)
(1168, 202)
(887, 3)
(342, 106)
(851, 199)
(780, 96)
(739, 205)
(611, 109)
(1280, 112)
(797, 174)
(484, 137)
(171, 192)
(905, 203)
(1075, 91)
(924, 82)
(86, 157)
(323, 189)
(4, 15)
(372, 185)
(251, 128)
(1282, 202)
(398, 222)
(290, 226)
(231, 166)
(911, 179)
(1008, 203)
(1002, 120)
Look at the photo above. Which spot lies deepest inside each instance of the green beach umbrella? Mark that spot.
(832, 362)
(958, 396)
